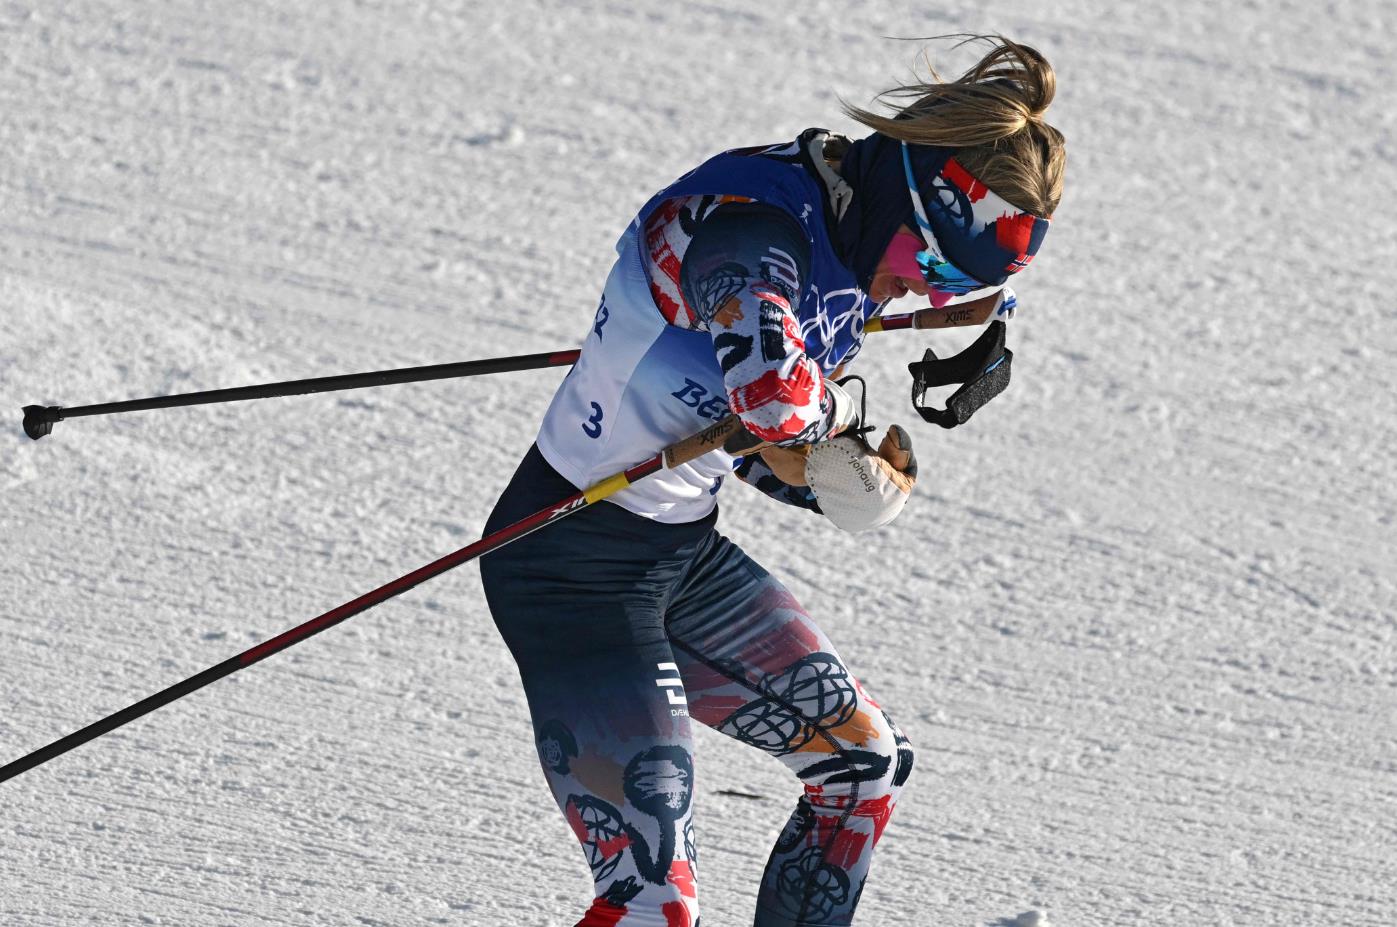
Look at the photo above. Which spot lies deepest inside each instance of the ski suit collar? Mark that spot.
(839, 195)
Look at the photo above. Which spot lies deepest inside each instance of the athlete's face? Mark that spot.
(889, 285)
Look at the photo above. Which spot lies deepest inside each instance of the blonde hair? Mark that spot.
(993, 115)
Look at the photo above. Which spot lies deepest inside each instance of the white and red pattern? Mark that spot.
(665, 244)
(779, 395)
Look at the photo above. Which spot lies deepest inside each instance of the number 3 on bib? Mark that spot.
(592, 427)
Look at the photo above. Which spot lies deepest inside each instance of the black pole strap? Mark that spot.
(982, 370)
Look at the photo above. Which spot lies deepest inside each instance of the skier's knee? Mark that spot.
(870, 769)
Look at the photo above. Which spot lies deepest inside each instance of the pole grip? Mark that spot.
(975, 312)
(728, 434)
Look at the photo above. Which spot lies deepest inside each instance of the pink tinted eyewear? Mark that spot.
(902, 261)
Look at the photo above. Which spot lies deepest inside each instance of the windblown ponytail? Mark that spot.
(993, 114)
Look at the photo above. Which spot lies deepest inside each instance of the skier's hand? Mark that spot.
(896, 459)
(857, 487)
(788, 463)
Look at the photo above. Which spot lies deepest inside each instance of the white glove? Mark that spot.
(857, 489)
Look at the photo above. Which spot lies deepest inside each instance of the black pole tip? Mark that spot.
(39, 420)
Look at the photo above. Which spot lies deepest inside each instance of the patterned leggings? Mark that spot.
(624, 630)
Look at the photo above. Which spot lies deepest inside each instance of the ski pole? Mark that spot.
(727, 433)
(39, 420)
(975, 312)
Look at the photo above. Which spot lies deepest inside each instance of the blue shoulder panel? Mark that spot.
(832, 309)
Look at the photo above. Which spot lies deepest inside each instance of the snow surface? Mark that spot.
(1139, 620)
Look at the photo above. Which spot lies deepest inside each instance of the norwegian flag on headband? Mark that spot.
(979, 231)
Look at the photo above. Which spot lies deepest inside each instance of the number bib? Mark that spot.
(639, 385)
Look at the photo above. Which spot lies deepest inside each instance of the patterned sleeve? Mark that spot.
(753, 471)
(741, 277)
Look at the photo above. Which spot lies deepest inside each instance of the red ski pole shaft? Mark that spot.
(681, 452)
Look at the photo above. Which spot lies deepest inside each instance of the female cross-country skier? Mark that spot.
(741, 288)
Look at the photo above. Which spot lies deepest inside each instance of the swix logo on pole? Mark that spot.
(674, 688)
(565, 509)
